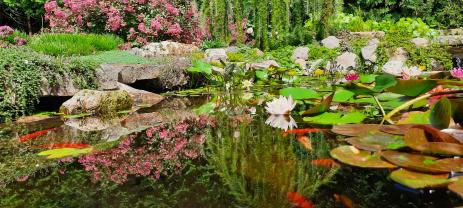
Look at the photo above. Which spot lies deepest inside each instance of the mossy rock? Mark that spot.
(97, 102)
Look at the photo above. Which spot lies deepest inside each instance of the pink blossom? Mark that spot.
(457, 73)
(171, 9)
(20, 41)
(352, 77)
(50, 6)
(174, 30)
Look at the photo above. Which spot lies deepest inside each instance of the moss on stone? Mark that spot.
(115, 101)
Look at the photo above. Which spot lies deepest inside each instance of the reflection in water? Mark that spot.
(260, 166)
(284, 122)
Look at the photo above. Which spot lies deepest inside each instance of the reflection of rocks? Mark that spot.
(98, 102)
(92, 123)
(281, 122)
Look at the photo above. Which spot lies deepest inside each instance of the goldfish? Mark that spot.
(299, 200)
(305, 141)
(303, 131)
(35, 135)
(326, 163)
(344, 200)
(50, 146)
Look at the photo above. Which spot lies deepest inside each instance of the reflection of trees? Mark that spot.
(260, 166)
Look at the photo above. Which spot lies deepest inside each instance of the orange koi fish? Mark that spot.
(35, 135)
(326, 163)
(303, 131)
(344, 200)
(305, 141)
(51, 146)
(299, 200)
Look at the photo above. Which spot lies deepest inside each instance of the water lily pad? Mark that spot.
(343, 96)
(441, 113)
(299, 93)
(359, 158)
(437, 135)
(64, 152)
(355, 130)
(412, 88)
(457, 185)
(400, 129)
(384, 81)
(415, 162)
(441, 148)
(377, 142)
(416, 180)
(336, 118)
(416, 138)
(415, 117)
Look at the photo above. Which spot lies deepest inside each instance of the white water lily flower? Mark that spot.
(247, 84)
(280, 106)
(281, 122)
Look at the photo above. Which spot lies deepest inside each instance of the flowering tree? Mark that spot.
(136, 20)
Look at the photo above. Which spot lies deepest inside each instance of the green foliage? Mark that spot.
(116, 57)
(74, 44)
(282, 56)
(214, 43)
(320, 52)
(21, 74)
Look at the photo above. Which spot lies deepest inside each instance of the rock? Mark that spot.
(369, 51)
(394, 67)
(450, 40)
(301, 53)
(374, 34)
(420, 42)
(216, 54)
(436, 65)
(97, 102)
(265, 64)
(232, 49)
(347, 60)
(107, 76)
(302, 63)
(64, 86)
(400, 54)
(331, 42)
(165, 48)
(141, 97)
(259, 52)
(412, 71)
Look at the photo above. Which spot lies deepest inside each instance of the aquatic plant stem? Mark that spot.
(411, 102)
(379, 105)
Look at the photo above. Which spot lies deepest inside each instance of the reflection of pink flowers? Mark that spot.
(457, 73)
(352, 77)
(150, 155)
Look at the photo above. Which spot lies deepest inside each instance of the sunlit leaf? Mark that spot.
(421, 163)
(383, 82)
(413, 88)
(377, 142)
(457, 185)
(416, 180)
(367, 78)
(415, 117)
(354, 130)
(64, 152)
(359, 158)
(200, 67)
(320, 108)
(336, 118)
(262, 75)
(299, 93)
(343, 96)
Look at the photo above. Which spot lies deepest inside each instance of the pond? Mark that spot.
(237, 156)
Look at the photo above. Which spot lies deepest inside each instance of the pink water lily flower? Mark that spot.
(457, 73)
(352, 77)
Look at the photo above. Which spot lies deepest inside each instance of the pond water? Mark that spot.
(233, 158)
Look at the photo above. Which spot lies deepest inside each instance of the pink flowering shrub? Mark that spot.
(136, 20)
(161, 150)
(9, 36)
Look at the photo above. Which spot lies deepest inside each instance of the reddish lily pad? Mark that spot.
(355, 130)
(416, 162)
(416, 180)
(441, 148)
(400, 129)
(359, 158)
(457, 185)
(377, 142)
(415, 139)
(437, 135)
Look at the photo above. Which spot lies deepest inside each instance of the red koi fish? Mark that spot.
(302, 131)
(35, 135)
(51, 146)
(344, 200)
(305, 141)
(299, 200)
(326, 163)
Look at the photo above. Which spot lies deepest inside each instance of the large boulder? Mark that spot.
(141, 97)
(265, 64)
(97, 102)
(373, 34)
(369, 51)
(216, 54)
(165, 48)
(300, 53)
(394, 67)
(64, 86)
(347, 60)
(420, 42)
(331, 42)
(400, 54)
(450, 40)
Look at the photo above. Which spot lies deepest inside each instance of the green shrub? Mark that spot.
(282, 56)
(74, 44)
(207, 44)
(21, 74)
(320, 52)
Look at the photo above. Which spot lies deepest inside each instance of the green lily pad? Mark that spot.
(367, 78)
(415, 117)
(64, 152)
(299, 93)
(457, 185)
(359, 158)
(441, 113)
(416, 180)
(355, 130)
(336, 118)
(343, 96)
(412, 88)
(377, 142)
(383, 82)
(415, 162)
